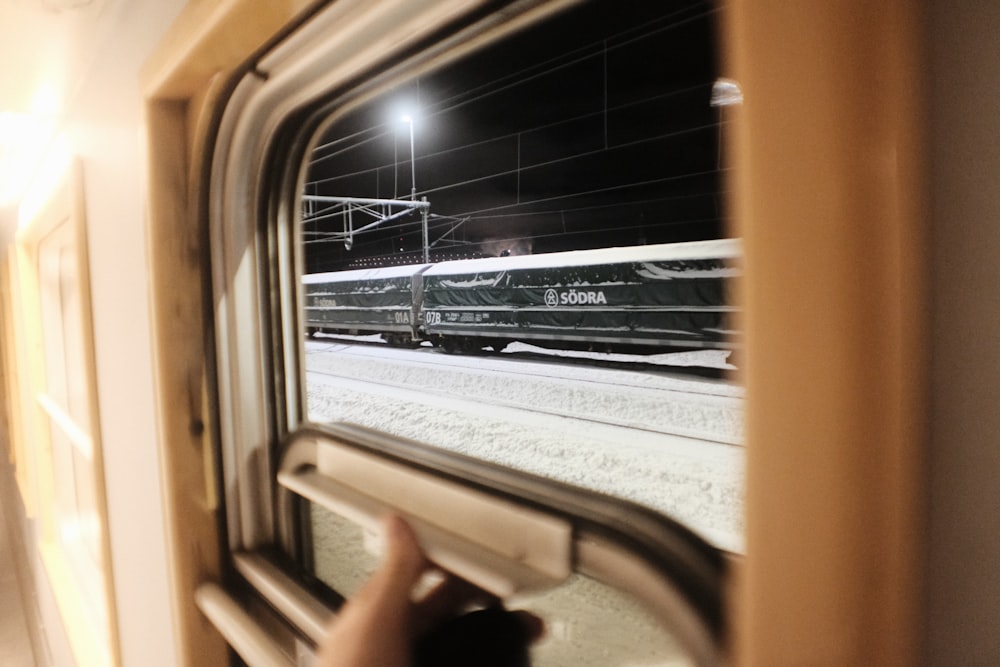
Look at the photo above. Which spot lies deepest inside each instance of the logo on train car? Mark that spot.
(575, 298)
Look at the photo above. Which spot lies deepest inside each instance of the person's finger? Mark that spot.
(403, 561)
(374, 627)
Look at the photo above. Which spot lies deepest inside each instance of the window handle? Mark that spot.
(500, 546)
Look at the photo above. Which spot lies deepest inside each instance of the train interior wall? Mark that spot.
(90, 60)
(963, 576)
(102, 116)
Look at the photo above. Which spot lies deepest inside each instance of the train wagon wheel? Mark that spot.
(453, 344)
(460, 345)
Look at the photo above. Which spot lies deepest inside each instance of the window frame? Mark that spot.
(256, 261)
(251, 269)
(184, 86)
(59, 399)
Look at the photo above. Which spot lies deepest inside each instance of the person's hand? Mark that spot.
(382, 626)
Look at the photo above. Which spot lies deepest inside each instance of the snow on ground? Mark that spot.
(706, 358)
(642, 438)
(665, 441)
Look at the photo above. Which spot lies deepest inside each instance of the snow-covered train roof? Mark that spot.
(364, 274)
(723, 248)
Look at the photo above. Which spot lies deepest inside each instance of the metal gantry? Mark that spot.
(378, 211)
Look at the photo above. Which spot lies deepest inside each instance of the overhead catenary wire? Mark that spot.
(520, 77)
(512, 135)
(523, 206)
(580, 193)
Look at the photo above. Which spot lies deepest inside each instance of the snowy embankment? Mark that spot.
(662, 441)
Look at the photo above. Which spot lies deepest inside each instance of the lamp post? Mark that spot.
(407, 118)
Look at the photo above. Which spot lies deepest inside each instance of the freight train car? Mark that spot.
(382, 301)
(644, 298)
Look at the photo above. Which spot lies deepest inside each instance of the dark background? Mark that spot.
(592, 130)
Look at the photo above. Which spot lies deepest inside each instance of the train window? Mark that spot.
(481, 309)
(526, 241)
(538, 547)
(55, 350)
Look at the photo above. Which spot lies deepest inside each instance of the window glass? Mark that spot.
(459, 289)
(66, 398)
(66, 458)
(587, 622)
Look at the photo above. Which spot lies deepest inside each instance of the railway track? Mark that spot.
(639, 402)
(630, 362)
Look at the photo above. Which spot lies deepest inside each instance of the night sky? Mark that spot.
(593, 130)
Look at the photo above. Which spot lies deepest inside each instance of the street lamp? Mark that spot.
(407, 118)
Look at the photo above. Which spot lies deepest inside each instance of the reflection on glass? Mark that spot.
(592, 625)
(344, 555)
(66, 400)
(588, 624)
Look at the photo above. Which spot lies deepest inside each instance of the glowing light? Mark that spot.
(50, 165)
(23, 140)
(725, 93)
(46, 103)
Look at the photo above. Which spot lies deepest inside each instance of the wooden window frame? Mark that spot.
(828, 189)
